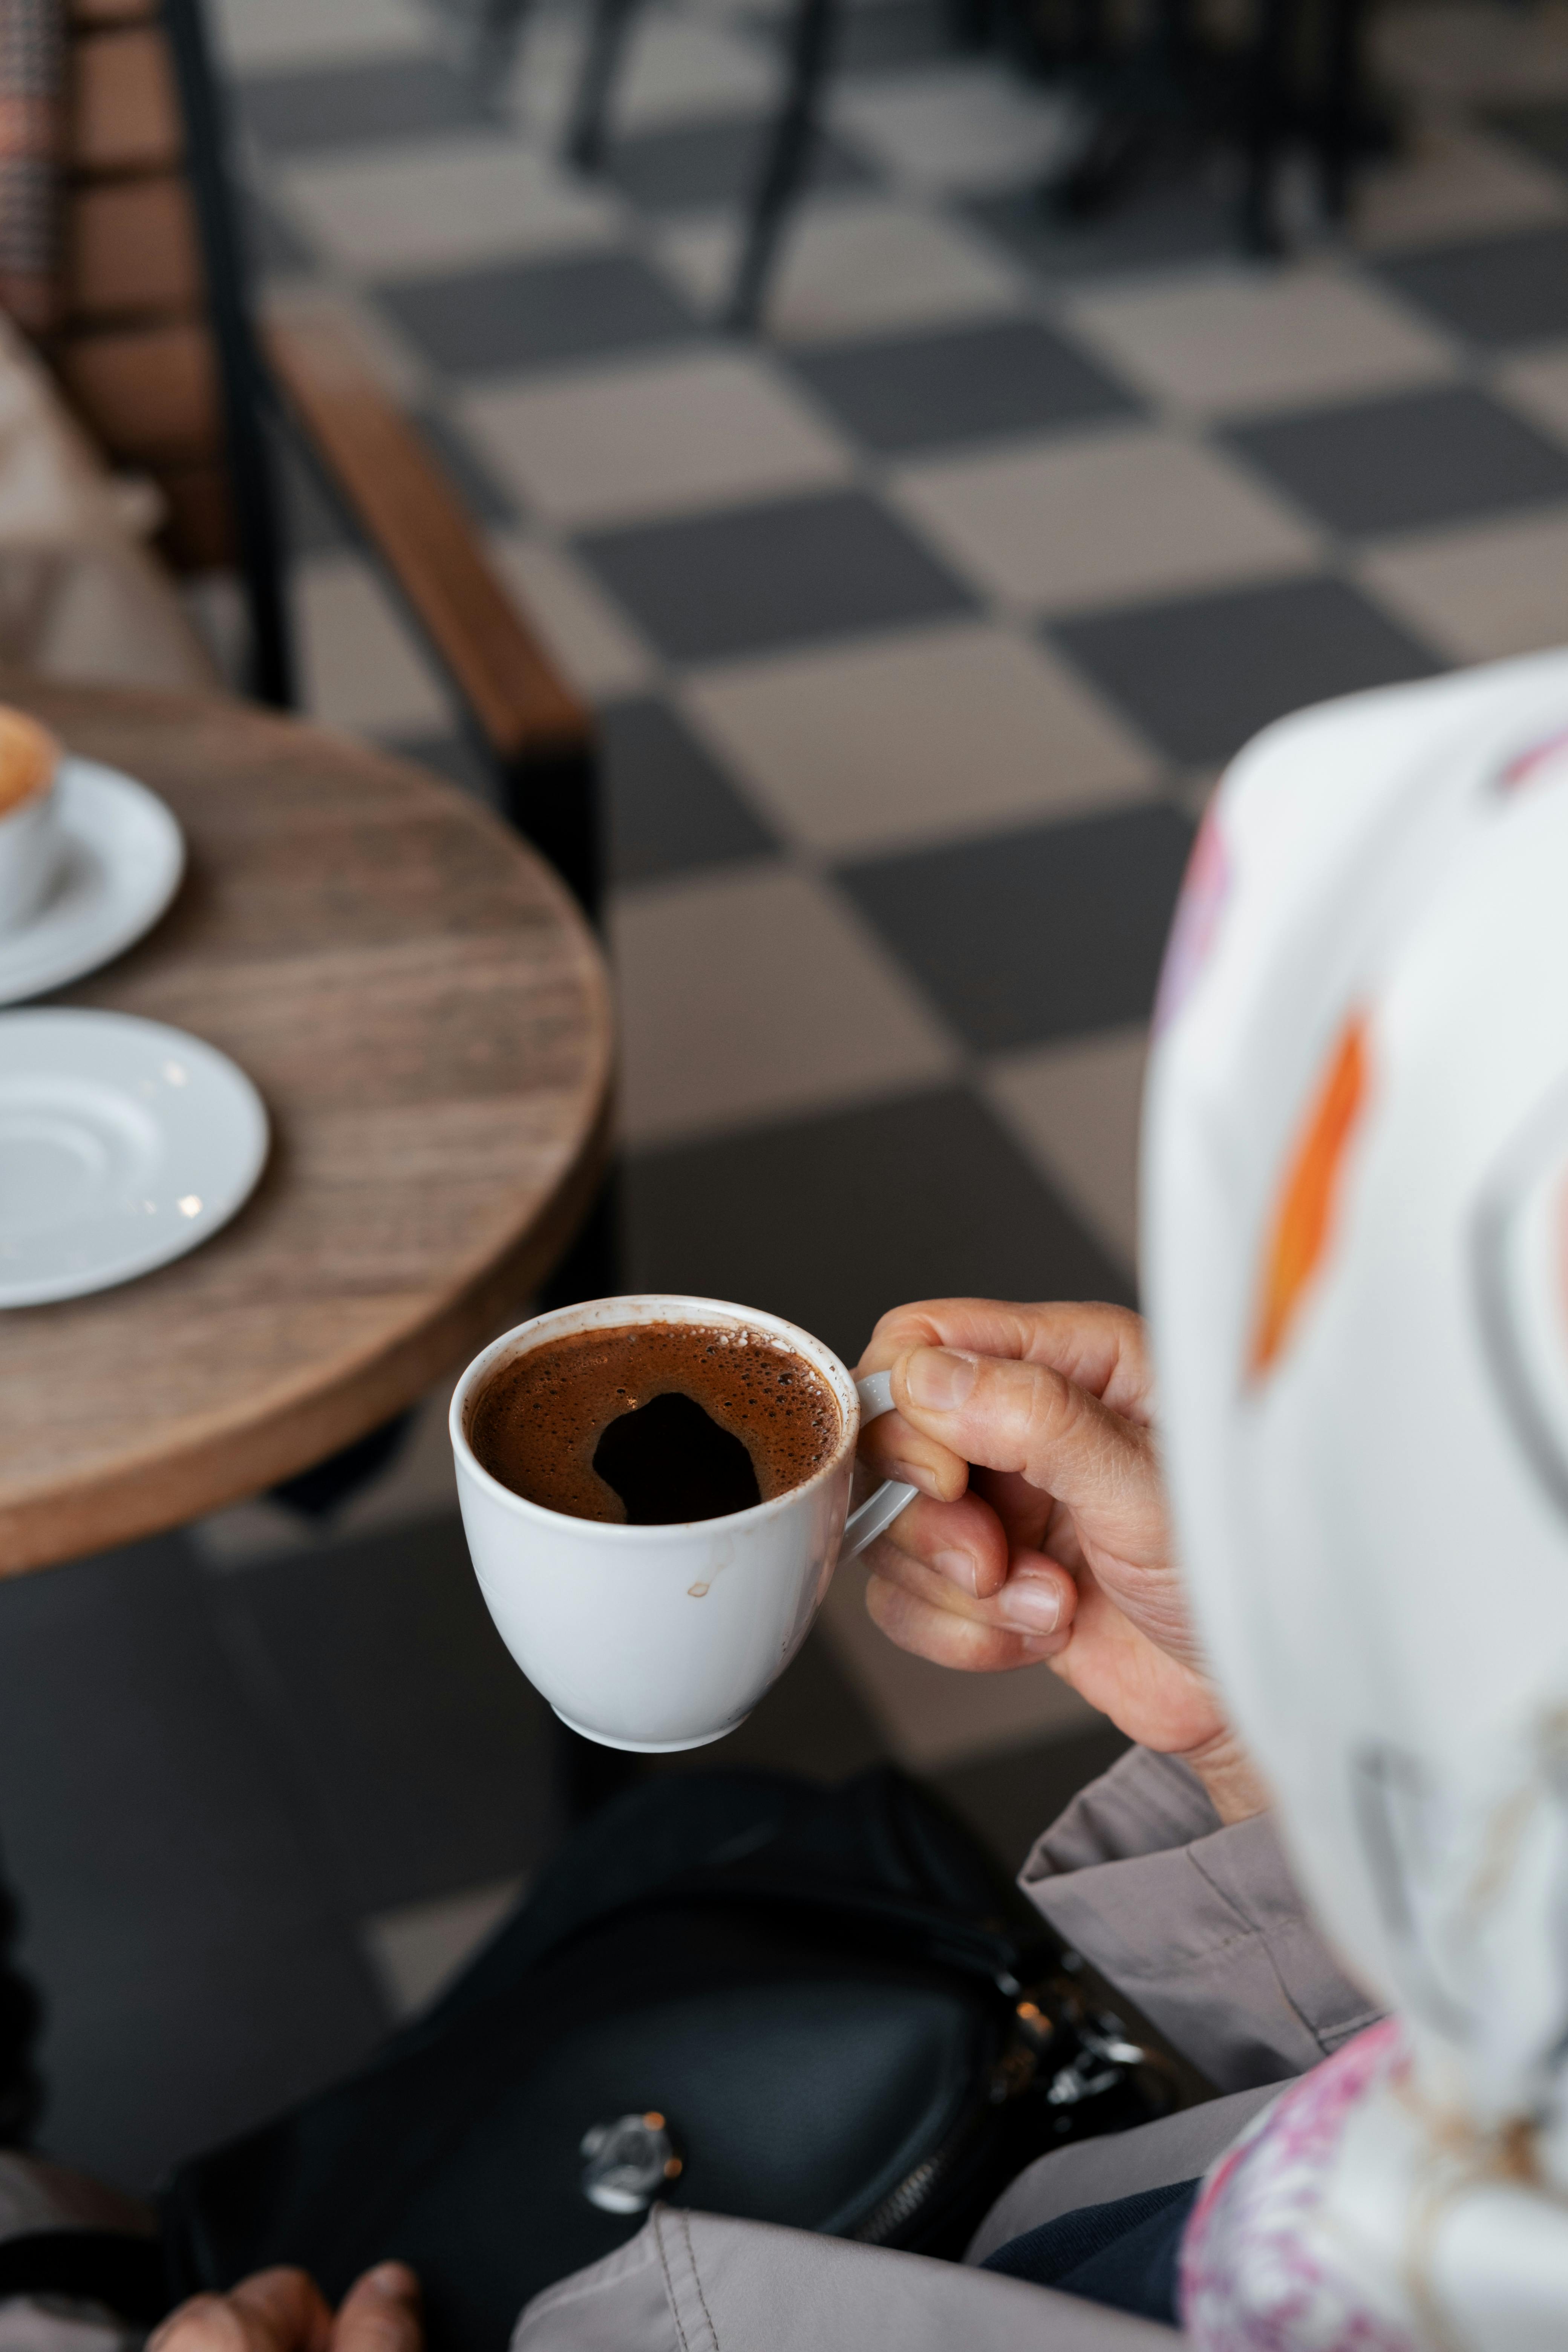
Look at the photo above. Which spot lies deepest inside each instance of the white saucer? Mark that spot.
(122, 1144)
(122, 856)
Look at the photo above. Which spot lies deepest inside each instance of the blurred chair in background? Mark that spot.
(1292, 80)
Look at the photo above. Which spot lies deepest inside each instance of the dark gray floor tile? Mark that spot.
(1543, 129)
(518, 314)
(697, 166)
(785, 574)
(969, 384)
(1011, 1797)
(1169, 223)
(354, 105)
(1497, 290)
(1202, 674)
(831, 1221)
(1050, 933)
(415, 1740)
(196, 1968)
(671, 806)
(475, 484)
(1423, 457)
(873, 38)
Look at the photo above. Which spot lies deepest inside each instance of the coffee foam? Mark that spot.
(28, 756)
(536, 1423)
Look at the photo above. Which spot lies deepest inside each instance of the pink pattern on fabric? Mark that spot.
(1205, 886)
(1252, 2278)
(1525, 767)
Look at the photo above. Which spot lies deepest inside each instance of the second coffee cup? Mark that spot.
(664, 1635)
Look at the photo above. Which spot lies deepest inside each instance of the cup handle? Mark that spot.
(878, 1511)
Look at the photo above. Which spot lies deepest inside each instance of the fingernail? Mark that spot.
(940, 1378)
(912, 1474)
(1030, 1607)
(391, 2280)
(959, 1568)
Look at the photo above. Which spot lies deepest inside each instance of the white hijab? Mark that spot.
(1356, 1251)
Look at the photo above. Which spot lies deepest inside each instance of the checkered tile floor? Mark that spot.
(921, 626)
(919, 629)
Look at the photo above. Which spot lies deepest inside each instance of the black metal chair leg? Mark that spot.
(553, 799)
(789, 153)
(595, 1265)
(586, 133)
(21, 2014)
(241, 378)
(498, 30)
(1341, 88)
(1265, 130)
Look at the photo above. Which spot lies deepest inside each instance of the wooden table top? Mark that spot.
(426, 1016)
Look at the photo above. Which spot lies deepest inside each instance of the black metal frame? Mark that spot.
(549, 797)
(788, 152)
(242, 376)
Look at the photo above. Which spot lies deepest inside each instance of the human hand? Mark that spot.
(285, 2310)
(1041, 1530)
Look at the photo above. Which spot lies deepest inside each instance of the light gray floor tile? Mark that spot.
(260, 36)
(415, 1951)
(853, 266)
(655, 437)
(1119, 512)
(1076, 1107)
(676, 67)
(1538, 387)
(1229, 340)
(446, 202)
(595, 644)
(1449, 181)
(363, 668)
(970, 126)
(750, 992)
(1482, 591)
(918, 736)
(931, 1716)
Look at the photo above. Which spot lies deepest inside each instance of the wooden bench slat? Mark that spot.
(131, 248)
(147, 392)
(124, 115)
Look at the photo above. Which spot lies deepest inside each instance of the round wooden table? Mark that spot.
(427, 1017)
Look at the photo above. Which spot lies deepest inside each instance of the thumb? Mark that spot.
(1003, 1413)
(381, 2313)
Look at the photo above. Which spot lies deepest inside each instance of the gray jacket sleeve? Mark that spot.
(1199, 1923)
(38, 2195)
(698, 2282)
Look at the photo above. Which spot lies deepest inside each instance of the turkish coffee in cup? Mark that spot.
(649, 1423)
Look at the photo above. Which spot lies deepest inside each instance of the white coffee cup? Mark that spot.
(663, 1637)
(29, 830)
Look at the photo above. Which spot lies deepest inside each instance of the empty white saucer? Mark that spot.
(121, 862)
(122, 1144)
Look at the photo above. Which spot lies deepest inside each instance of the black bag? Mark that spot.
(738, 1992)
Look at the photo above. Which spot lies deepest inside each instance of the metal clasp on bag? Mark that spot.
(627, 2162)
